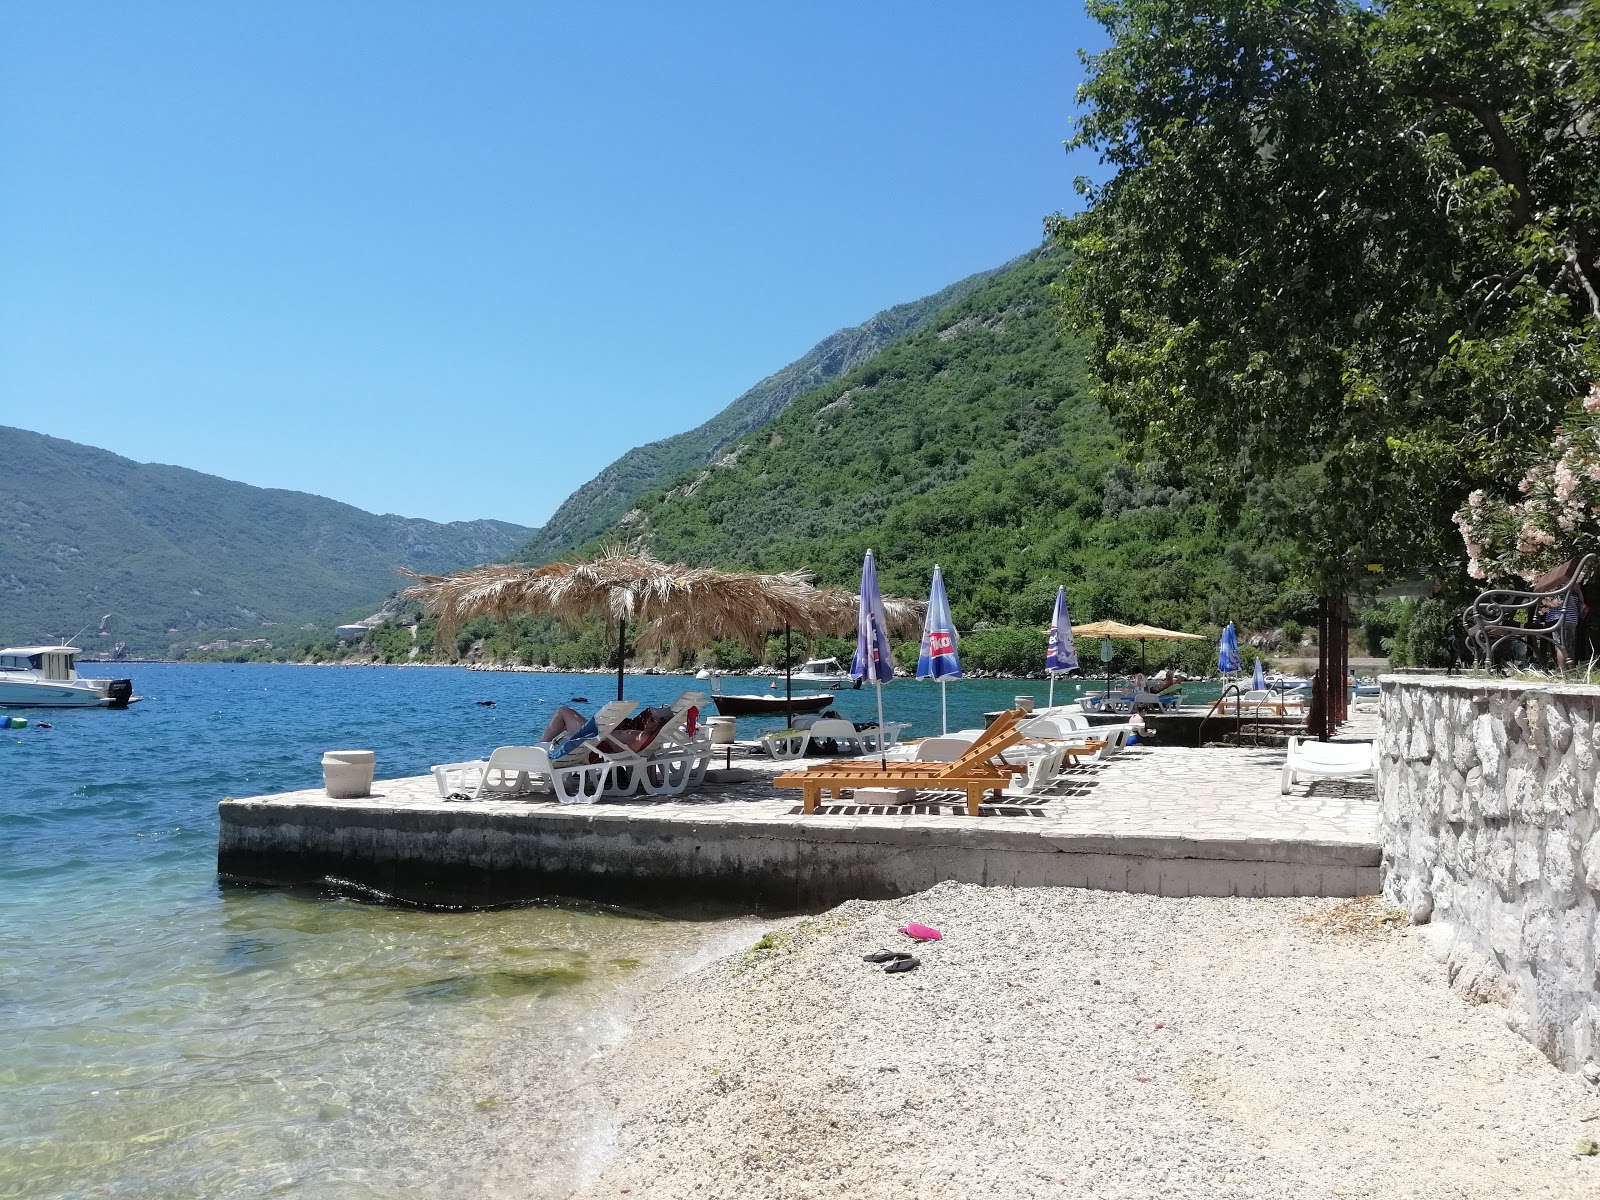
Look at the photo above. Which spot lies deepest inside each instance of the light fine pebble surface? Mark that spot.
(1087, 1044)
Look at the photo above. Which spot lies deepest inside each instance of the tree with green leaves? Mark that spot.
(1346, 261)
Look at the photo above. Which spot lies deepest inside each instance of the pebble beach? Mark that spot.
(1066, 1043)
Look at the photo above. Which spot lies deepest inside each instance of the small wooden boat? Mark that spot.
(771, 704)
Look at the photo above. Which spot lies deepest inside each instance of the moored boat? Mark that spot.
(47, 677)
(822, 670)
(770, 704)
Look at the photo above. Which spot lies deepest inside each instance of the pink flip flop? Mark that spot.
(922, 933)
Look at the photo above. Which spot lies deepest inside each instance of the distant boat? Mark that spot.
(822, 670)
(47, 677)
(770, 704)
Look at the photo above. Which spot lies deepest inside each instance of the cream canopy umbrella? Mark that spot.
(1154, 633)
(689, 607)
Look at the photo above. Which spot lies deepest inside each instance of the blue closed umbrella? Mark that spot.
(1060, 653)
(872, 642)
(937, 659)
(1228, 651)
(1258, 680)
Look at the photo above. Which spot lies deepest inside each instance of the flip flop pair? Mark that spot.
(897, 961)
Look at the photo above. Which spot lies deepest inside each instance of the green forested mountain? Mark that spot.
(974, 443)
(597, 505)
(84, 533)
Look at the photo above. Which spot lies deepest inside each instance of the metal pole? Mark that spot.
(788, 683)
(1319, 693)
(883, 745)
(944, 709)
(622, 646)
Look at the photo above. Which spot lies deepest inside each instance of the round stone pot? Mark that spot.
(721, 731)
(347, 774)
(1025, 703)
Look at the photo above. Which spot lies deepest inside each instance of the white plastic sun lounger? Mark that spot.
(1327, 760)
(672, 762)
(519, 769)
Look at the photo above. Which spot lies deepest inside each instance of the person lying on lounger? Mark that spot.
(639, 730)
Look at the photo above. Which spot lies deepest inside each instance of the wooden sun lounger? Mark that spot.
(976, 772)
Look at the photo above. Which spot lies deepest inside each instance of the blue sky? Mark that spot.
(450, 260)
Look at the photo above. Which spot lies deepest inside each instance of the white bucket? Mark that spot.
(1025, 703)
(721, 731)
(347, 774)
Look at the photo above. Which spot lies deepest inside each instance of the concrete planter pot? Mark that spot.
(347, 774)
(721, 731)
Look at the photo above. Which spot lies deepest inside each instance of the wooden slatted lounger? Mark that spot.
(976, 772)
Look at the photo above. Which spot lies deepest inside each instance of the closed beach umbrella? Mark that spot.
(1258, 680)
(937, 659)
(1228, 651)
(872, 642)
(1061, 654)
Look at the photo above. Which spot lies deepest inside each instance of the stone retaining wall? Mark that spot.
(1489, 828)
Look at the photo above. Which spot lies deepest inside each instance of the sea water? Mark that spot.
(164, 1036)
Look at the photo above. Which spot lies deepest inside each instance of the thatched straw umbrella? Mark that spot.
(689, 607)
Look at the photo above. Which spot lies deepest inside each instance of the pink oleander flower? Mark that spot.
(1475, 500)
(1566, 483)
(1592, 403)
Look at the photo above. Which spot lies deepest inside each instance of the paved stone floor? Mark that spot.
(1222, 794)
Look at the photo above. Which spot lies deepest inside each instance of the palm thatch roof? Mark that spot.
(690, 607)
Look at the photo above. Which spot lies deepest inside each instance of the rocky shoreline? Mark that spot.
(1064, 1043)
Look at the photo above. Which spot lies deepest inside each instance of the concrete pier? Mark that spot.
(1173, 821)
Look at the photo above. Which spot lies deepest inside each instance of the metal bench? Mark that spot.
(1493, 618)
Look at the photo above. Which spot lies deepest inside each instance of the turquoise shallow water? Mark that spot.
(162, 1036)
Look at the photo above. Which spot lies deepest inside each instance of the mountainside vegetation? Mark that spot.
(596, 506)
(976, 444)
(85, 533)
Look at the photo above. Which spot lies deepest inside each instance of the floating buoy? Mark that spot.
(578, 700)
(13, 722)
(485, 703)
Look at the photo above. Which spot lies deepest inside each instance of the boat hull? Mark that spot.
(47, 694)
(762, 706)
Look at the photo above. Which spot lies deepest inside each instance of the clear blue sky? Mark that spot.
(449, 260)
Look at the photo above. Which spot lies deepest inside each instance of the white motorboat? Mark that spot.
(822, 670)
(47, 677)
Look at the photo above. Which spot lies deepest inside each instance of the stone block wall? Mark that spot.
(1490, 833)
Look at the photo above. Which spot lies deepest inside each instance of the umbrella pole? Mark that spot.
(622, 645)
(1051, 703)
(788, 680)
(944, 710)
(883, 746)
